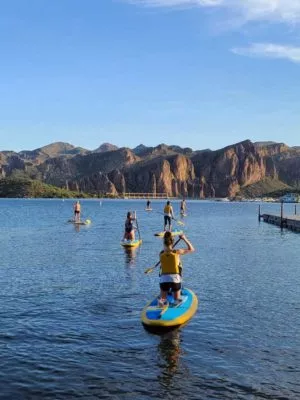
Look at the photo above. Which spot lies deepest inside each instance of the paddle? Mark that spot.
(137, 225)
(149, 270)
(176, 220)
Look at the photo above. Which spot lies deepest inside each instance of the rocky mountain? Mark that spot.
(242, 168)
(51, 151)
(106, 147)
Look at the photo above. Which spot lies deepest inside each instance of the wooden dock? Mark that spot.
(291, 222)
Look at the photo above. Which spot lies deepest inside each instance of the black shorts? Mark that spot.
(167, 220)
(76, 212)
(166, 286)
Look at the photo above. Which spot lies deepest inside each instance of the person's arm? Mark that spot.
(190, 248)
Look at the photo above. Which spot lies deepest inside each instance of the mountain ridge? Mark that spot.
(177, 171)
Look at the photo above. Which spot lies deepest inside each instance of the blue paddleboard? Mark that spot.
(172, 315)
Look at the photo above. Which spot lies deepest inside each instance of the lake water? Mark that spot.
(71, 300)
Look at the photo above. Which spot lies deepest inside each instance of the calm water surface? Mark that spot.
(71, 300)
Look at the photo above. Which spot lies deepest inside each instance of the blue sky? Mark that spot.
(197, 73)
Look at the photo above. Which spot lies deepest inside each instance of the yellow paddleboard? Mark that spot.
(131, 243)
(174, 233)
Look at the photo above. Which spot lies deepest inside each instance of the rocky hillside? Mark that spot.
(243, 168)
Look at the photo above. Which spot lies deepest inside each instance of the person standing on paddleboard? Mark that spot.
(77, 210)
(168, 215)
(183, 207)
(148, 205)
(170, 270)
(129, 227)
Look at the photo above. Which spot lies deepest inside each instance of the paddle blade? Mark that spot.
(148, 270)
(180, 223)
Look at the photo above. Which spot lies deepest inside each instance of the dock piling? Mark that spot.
(281, 215)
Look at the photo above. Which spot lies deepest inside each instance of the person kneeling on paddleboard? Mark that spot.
(170, 272)
(168, 215)
(129, 227)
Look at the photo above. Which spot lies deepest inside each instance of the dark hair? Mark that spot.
(128, 214)
(168, 239)
(168, 202)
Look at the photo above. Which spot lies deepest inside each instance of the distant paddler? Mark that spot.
(170, 272)
(168, 215)
(148, 206)
(129, 227)
(183, 207)
(77, 211)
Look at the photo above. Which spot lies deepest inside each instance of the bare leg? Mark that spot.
(163, 298)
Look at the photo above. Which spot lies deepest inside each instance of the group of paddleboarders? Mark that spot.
(171, 270)
(168, 216)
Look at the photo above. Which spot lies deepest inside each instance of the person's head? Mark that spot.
(168, 203)
(129, 214)
(168, 239)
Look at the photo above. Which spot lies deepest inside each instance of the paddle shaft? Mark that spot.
(176, 220)
(158, 263)
(137, 225)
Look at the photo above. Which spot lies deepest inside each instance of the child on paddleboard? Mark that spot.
(129, 227)
(170, 272)
(168, 215)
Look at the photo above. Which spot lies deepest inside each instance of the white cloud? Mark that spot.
(287, 11)
(270, 50)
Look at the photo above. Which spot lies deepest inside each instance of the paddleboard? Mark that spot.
(131, 243)
(148, 209)
(174, 233)
(86, 222)
(183, 214)
(172, 315)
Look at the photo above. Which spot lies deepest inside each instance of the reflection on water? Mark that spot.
(169, 351)
(77, 227)
(130, 256)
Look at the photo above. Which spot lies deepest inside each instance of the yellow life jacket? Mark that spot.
(167, 209)
(170, 263)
